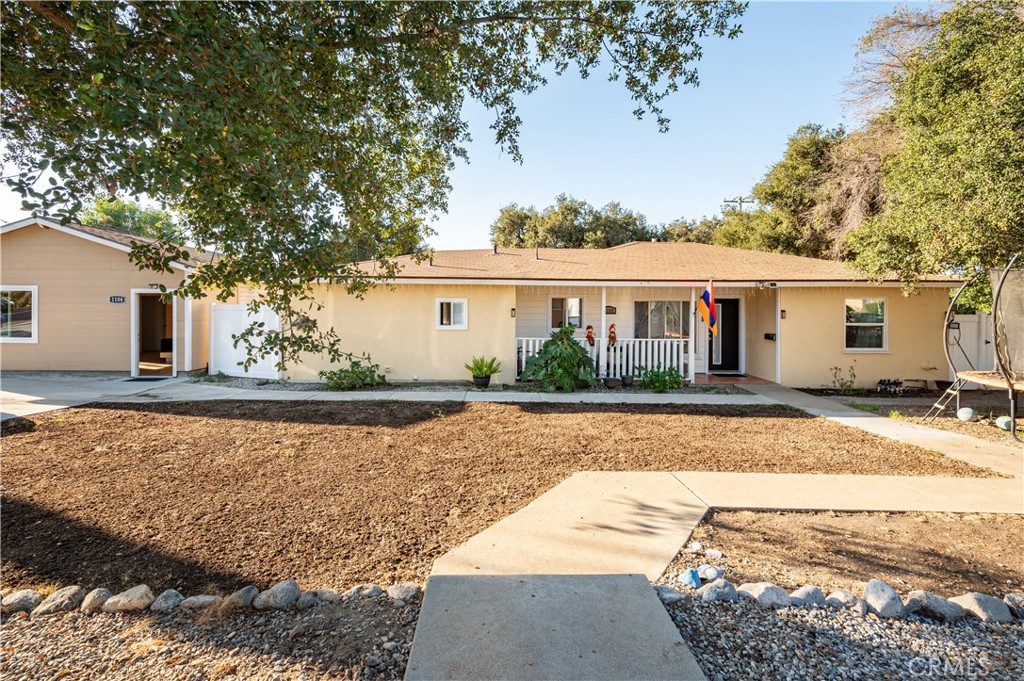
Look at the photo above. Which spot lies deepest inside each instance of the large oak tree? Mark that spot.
(295, 138)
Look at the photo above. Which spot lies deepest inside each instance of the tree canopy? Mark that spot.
(297, 137)
(130, 217)
(570, 223)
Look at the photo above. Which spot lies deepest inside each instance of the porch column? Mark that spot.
(602, 351)
(691, 369)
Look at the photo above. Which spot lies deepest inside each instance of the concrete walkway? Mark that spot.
(28, 393)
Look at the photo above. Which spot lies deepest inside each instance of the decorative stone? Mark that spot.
(243, 598)
(966, 414)
(984, 607)
(307, 600)
(94, 600)
(668, 595)
(882, 599)
(695, 547)
(690, 578)
(61, 600)
(807, 595)
(718, 590)
(765, 594)
(713, 554)
(167, 601)
(1003, 423)
(1015, 602)
(278, 597)
(405, 591)
(327, 595)
(136, 598)
(844, 600)
(201, 602)
(709, 573)
(25, 600)
(927, 604)
(363, 591)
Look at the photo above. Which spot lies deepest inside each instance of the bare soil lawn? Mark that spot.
(948, 554)
(208, 496)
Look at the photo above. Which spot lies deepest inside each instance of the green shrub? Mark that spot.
(357, 375)
(561, 364)
(659, 380)
(481, 366)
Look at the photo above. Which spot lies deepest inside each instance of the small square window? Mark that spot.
(19, 314)
(450, 314)
(866, 325)
(566, 312)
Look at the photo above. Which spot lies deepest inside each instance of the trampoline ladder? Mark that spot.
(941, 403)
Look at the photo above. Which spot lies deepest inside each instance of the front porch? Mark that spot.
(656, 326)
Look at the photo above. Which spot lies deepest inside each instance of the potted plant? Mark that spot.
(482, 370)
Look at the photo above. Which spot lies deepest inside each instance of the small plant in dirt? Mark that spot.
(482, 366)
(561, 364)
(361, 373)
(844, 384)
(219, 377)
(659, 380)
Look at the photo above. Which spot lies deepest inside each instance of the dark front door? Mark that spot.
(724, 349)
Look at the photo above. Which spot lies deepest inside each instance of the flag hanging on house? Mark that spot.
(706, 307)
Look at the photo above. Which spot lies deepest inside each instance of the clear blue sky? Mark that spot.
(580, 136)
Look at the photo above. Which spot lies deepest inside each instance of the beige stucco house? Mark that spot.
(70, 299)
(783, 318)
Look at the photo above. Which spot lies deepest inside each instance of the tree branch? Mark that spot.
(49, 13)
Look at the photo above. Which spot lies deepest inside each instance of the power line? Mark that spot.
(739, 201)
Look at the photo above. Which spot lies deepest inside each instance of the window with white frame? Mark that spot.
(19, 314)
(866, 325)
(566, 312)
(450, 314)
(661, 319)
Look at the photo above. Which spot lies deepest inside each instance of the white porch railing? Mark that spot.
(623, 358)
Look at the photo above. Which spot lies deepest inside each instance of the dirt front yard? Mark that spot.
(209, 496)
(948, 554)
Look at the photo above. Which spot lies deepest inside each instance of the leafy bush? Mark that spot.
(844, 385)
(357, 375)
(659, 380)
(561, 364)
(481, 366)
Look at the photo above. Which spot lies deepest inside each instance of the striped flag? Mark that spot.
(706, 306)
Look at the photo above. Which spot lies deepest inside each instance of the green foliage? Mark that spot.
(956, 188)
(844, 383)
(696, 231)
(561, 364)
(357, 375)
(296, 138)
(758, 230)
(481, 366)
(130, 217)
(659, 380)
(569, 223)
(867, 406)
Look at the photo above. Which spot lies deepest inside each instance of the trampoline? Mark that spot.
(1008, 338)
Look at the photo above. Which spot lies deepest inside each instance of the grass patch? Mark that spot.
(865, 406)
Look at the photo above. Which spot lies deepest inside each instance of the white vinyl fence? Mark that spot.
(623, 358)
(975, 344)
(227, 321)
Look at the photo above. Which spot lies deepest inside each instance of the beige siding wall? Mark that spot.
(396, 326)
(79, 328)
(759, 306)
(813, 336)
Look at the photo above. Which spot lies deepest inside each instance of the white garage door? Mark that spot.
(226, 321)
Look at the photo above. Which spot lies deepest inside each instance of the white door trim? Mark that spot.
(134, 330)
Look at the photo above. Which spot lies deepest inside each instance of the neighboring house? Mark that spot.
(70, 299)
(783, 318)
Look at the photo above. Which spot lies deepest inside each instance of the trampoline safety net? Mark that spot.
(1009, 321)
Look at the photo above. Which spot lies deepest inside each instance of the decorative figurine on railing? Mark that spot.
(612, 337)
(590, 335)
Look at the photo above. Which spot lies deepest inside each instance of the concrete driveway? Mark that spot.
(24, 393)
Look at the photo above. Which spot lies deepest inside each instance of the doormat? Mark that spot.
(728, 374)
(147, 378)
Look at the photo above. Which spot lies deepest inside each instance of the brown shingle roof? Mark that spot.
(125, 239)
(638, 261)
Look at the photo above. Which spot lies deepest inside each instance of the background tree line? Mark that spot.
(931, 182)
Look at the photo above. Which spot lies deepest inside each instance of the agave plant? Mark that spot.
(481, 366)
